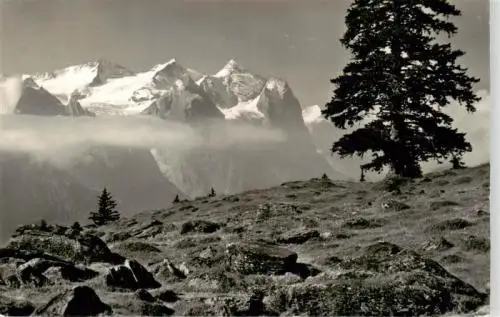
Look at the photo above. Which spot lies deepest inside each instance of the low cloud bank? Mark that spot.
(63, 138)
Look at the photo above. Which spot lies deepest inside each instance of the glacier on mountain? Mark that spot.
(172, 93)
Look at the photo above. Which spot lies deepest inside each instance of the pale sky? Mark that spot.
(295, 39)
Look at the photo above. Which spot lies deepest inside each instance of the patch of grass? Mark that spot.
(478, 244)
(450, 224)
(137, 246)
(463, 180)
(362, 223)
(436, 205)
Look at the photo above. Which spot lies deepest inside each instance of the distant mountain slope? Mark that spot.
(131, 175)
(172, 92)
(31, 190)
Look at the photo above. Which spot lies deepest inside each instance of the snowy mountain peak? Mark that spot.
(277, 84)
(108, 70)
(163, 66)
(230, 68)
(29, 82)
(171, 74)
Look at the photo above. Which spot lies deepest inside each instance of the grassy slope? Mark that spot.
(435, 202)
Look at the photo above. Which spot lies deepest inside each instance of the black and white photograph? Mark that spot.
(245, 158)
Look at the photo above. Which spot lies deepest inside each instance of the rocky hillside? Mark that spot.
(317, 247)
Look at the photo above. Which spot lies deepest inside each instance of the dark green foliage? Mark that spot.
(77, 227)
(43, 225)
(176, 199)
(212, 192)
(457, 163)
(106, 209)
(402, 76)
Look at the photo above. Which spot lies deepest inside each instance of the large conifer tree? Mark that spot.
(403, 76)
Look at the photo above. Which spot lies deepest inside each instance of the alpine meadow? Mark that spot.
(245, 158)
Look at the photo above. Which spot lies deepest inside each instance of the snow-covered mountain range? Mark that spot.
(171, 92)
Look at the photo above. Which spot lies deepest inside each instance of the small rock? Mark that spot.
(438, 245)
(167, 271)
(304, 270)
(201, 226)
(482, 213)
(168, 296)
(451, 259)
(80, 301)
(298, 236)
(394, 205)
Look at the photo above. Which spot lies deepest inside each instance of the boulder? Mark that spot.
(29, 274)
(70, 273)
(15, 307)
(168, 296)
(200, 226)
(131, 275)
(259, 258)
(144, 295)
(79, 301)
(298, 236)
(39, 269)
(169, 272)
(84, 248)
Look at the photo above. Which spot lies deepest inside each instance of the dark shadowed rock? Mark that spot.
(70, 273)
(144, 295)
(298, 236)
(304, 270)
(131, 275)
(168, 296)
(200, 226)
(15, 307)
(259, 258)
(79, 301)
